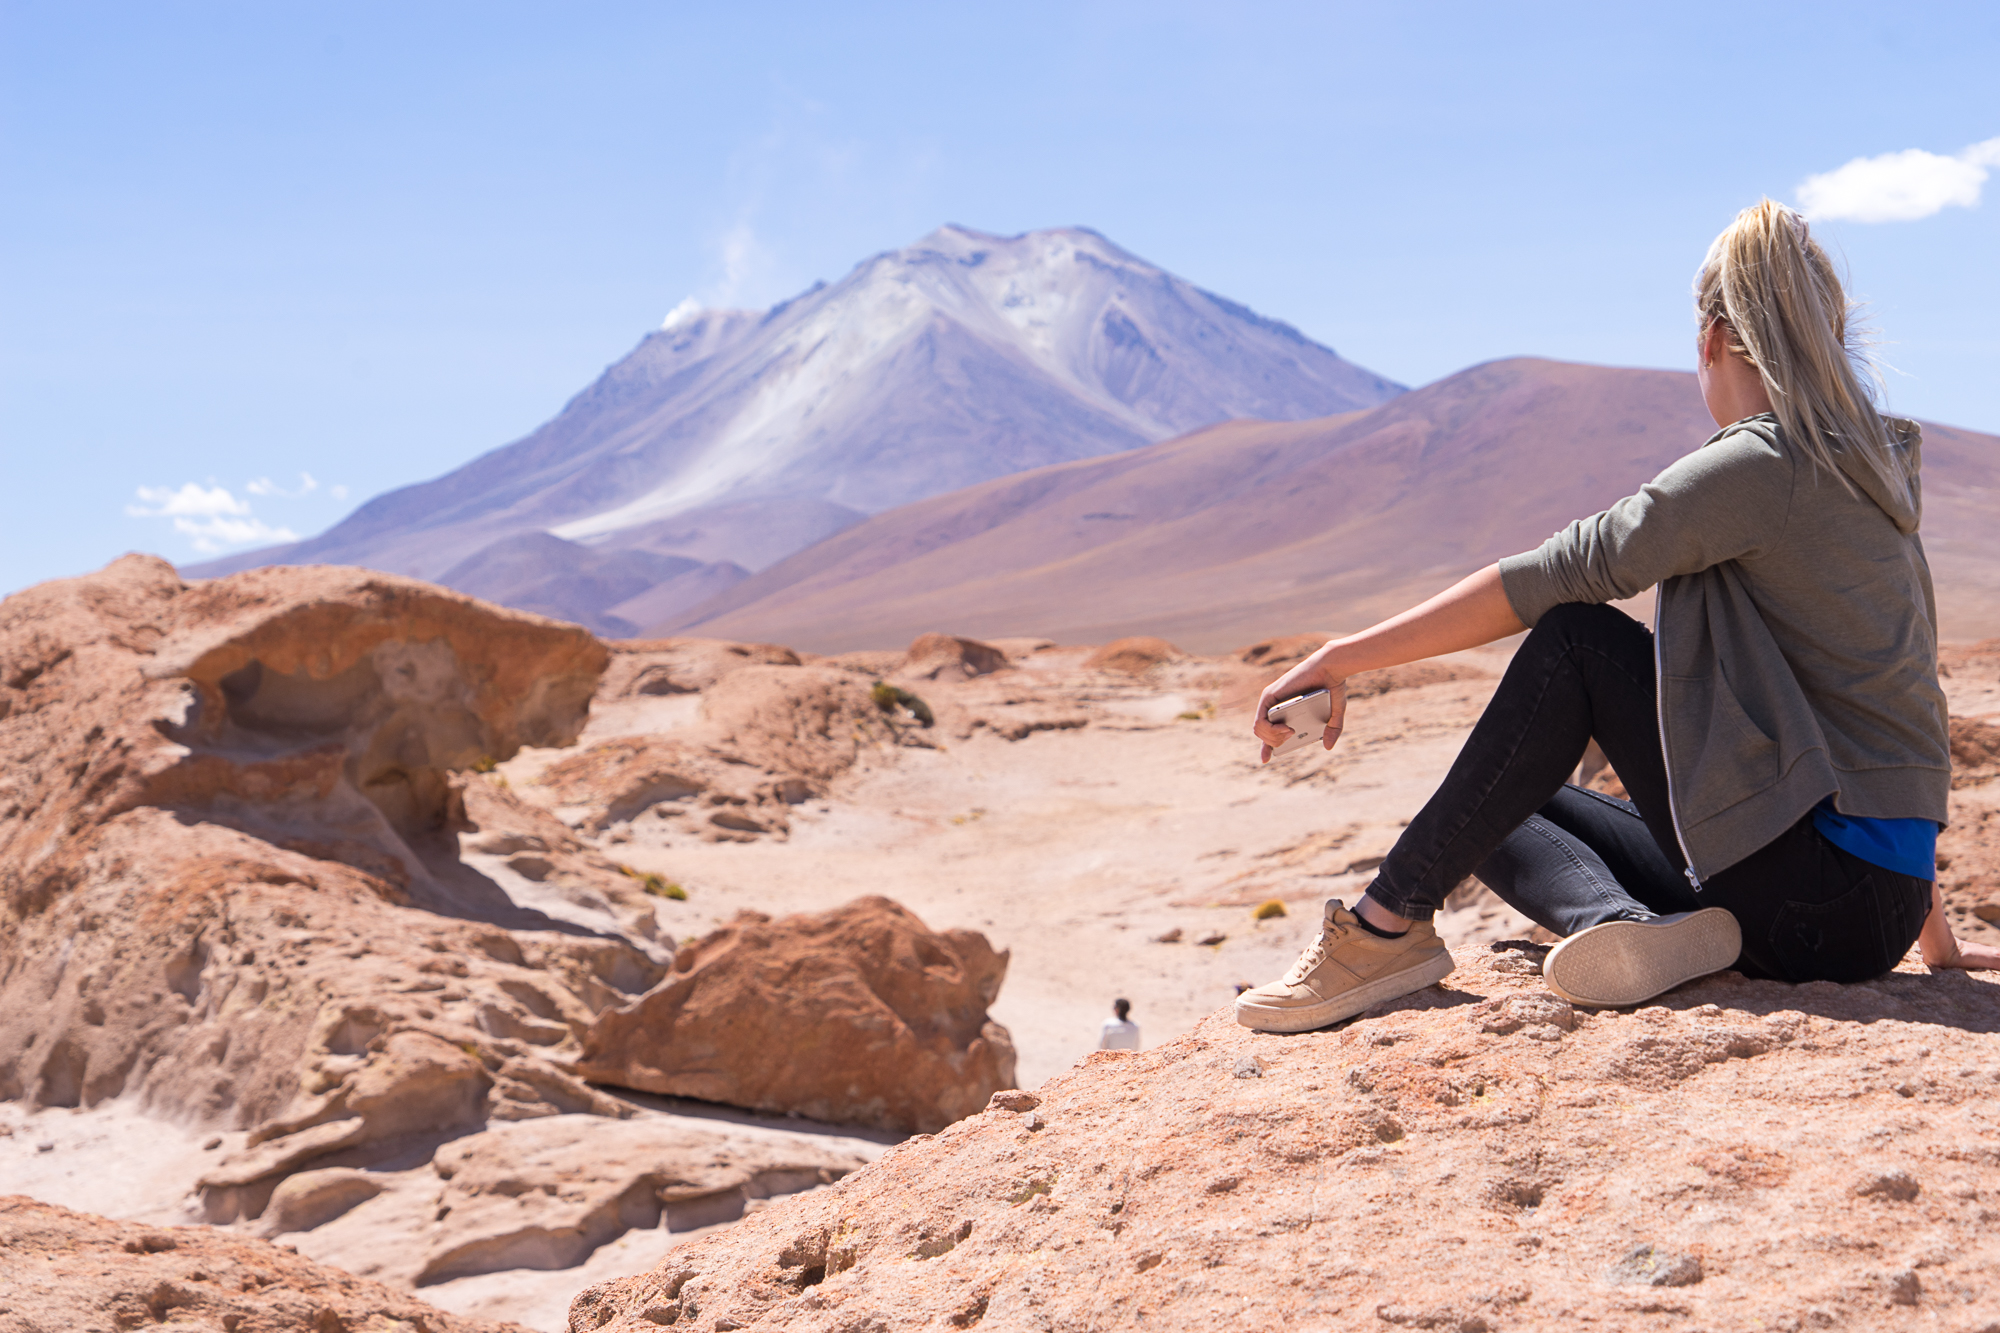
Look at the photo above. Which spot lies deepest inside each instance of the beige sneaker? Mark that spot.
(1629, 962)
(1345, 970)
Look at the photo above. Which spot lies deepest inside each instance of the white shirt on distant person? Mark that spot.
(1119, 1034)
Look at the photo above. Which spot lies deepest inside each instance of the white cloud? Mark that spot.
(265, 486)
(681, 313)
(1900, 187)
(219, 534)
(210, 515)
(337, 492)
(743, 258)
(190, 499)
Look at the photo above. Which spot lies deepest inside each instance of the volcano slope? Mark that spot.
(1227, 534)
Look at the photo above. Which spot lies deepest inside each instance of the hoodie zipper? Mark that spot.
(1660, 714)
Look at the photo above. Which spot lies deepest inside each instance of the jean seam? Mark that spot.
(1400, 904)
(1595, 881)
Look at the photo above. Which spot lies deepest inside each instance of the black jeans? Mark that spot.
(1569, 859)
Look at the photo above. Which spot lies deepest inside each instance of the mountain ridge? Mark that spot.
(961, 358)
(1228, 533)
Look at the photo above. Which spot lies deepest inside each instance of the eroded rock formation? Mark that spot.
(229, 865)
(861, 1015)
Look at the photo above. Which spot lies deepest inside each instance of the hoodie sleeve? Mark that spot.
(1727, 501)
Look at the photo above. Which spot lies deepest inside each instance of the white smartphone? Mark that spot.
(1307, 716)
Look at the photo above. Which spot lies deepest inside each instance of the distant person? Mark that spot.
(1781, 732)
(1119, 1033)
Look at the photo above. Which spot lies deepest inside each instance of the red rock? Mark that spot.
(228, 862)
(682, 666)
(860, 1015)
(811, 722)
(949, 657)
(1134, 656)
(65, 1270)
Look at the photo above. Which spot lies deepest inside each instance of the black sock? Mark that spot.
(1377, 930)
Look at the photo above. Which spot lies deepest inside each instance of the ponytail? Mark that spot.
(1777, 295)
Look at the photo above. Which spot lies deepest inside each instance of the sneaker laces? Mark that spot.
(1314, 955)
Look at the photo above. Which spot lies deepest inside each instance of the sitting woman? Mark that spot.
(1781, 732)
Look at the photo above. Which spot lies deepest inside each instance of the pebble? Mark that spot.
(1249, 1066)
(1650, 1266)
(1014, 1099)
(46, 1145)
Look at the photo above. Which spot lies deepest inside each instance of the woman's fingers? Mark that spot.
(1336, 717)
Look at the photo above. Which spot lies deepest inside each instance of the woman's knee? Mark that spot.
(1587, 622)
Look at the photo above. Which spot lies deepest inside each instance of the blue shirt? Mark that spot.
(1906, 846)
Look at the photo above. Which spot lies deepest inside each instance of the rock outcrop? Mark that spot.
(228, 860)
(65, 1271)
(1479, 1156)
(545, 1193)
(683, 666)
(861, 1015)
(949, 657)
(1134, 656)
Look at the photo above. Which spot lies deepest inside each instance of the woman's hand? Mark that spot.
(1309, 675)
(1941, 948)
(1473, 611)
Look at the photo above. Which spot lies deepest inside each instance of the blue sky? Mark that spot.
(247, 244)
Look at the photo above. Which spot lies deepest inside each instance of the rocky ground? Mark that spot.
(1480, 1156)
(66, 1272)
(372, 941)
(241, 834)
(1104, 820)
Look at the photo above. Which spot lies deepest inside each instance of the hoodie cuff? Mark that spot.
(1530, 586)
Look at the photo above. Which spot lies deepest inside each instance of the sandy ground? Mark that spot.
(1076, 849)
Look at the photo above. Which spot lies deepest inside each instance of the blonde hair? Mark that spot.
(1779, 298)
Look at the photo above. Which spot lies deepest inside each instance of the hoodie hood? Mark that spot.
(1906, 439)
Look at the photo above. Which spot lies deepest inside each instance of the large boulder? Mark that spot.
(861, 1015)
(1477, 1156)
(65, 1270)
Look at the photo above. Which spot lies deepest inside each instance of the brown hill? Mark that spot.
(1214, 538)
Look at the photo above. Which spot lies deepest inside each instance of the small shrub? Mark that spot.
(1269, 908)
(656, 884)
(484, 764)
(662, 887)
(889, 698)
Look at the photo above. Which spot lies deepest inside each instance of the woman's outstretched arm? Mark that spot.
(1941, 948)
(1473, 611)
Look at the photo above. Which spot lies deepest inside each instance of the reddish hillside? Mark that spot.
(1230, 533)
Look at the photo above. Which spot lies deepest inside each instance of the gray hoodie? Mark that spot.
(1796, 635)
